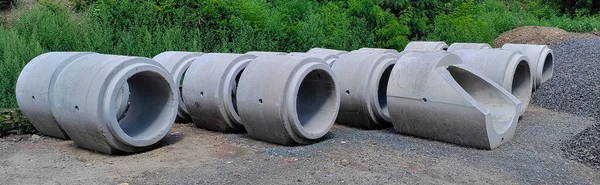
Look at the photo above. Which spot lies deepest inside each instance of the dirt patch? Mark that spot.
(539, 35)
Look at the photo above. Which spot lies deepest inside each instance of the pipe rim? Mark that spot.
(233, 75)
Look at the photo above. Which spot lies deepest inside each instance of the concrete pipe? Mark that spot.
(510, 69)
(426, 46)
(377, 50)
(327, 51)
(432, 95)
(328, 58)
(35, 87)
(86, 92)
(288, 100)
(265, 53)
(363, 80)
(177, 64)
(459, 46)
(210, 97)
(541, 61)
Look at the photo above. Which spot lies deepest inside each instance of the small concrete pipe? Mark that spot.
(265, 53)
(87, 90)
(363, 79)
(510, 69)
(377, 50)
(426, 46)
(541, 60)
(210, 96)
(35, 87)
(459, 46)
(432, 95)
(177, 63)
(327, 51)
(288, 100)
(328, 58)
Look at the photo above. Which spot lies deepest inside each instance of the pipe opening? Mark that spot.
(382, 89)
(547, 68)
(234, 91)
(150, 105)
(501, 109)
(316, 101)
(521, 87)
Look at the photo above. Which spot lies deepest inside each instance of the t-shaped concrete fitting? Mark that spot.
(363, 80)
(177, 63)
(433, 95)
(35, 89)
(459, 46)
(541, 61)
(87, 90)
(288, 100)
(510, 69)
(210, 92)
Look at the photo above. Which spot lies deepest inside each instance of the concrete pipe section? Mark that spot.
(363, 80)
(288, 100)
(87, 90)
(210, 97)
(35, 87)
(510, 69)
(432, 95)
(328, 58)
(177, 64)
(377, 50)
(327, 51)
(541, 61)
(265, 53)
(426, 46)
(459, 46)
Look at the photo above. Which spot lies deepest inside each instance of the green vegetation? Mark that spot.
(148, 27)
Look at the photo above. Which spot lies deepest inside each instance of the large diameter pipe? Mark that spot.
(426, 46)
(210, 92)
(288, 100)
(87, 90)
(541, 60)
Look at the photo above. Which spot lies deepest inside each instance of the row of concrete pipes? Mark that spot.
(467, 94)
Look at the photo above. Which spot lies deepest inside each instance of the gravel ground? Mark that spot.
(575, 88)
(348, 156)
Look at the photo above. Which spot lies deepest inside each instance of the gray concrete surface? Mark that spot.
(86, 107)
(458, 46)
(509, 69)
(210, 92)
(328, 58)
(265, 53)
(189, 155)
(433, 95)
(35, 87)
(377, 50)
(288, 100)
(177, 63)
(426, 46)
(327, 51)
(363, 79)
(541, 61)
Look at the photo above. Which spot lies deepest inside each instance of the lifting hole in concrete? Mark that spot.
(547, 68)
(424, 100)
(76, 108)
(316, 101)
(201, 94)
(33, 97)
(348, 92)
(149, 105)
(521, 82)
(382, 89)
(260, 101)
(502, 112)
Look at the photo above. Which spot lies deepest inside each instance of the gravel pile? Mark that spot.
(575, 88)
